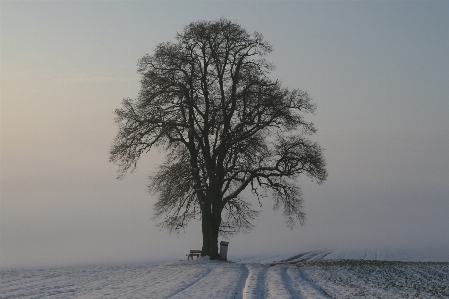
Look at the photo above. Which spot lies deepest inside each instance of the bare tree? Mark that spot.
(208, 102)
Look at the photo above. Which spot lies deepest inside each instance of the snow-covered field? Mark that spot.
(339, 274)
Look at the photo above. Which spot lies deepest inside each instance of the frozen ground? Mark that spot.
(345, 274)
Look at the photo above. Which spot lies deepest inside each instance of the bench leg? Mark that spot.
(190, 256)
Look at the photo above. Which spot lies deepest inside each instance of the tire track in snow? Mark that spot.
(280, 284)
(226, 280)
(302, 258)
(190, 284)
(305, 288)
(295, 257)
(317, 257)
(310, 257)
(242, 282)
(255, 284)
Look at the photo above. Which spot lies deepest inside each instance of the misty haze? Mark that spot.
(377, 73)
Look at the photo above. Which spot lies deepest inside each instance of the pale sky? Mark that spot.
(378, 71)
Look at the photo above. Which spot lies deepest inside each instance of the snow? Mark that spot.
(405, 255)
(320, 274)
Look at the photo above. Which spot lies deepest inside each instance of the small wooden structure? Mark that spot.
(193, 253)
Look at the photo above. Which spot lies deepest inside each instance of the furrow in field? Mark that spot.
(151, 282)
(138, 284)
(118, 282)
(32, 282)
(45, 283)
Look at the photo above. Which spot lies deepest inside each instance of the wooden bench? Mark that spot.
(193, 253)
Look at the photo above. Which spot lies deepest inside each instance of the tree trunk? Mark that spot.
(215, 228)
(206, 226)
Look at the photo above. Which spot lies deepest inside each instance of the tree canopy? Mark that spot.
(207, 101)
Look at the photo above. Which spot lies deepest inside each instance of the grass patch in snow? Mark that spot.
(378, 279)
